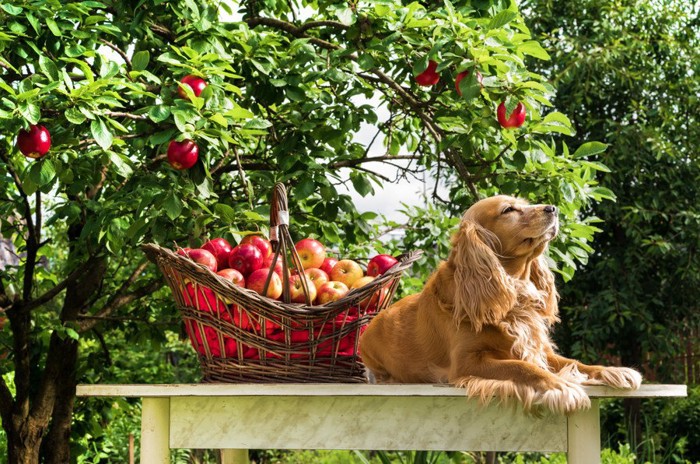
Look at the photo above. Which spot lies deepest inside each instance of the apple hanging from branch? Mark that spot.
(35, 142)
(514, 120)
(197, 84)
(183, 155)
(428, 77)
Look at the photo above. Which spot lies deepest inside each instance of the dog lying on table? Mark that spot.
(483, 319)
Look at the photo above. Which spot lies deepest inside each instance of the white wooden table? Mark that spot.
(238, 417)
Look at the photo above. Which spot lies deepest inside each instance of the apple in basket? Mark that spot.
(256, 281)
(328, 264)
(380, 264)
(317, 276)
(232, 275)
(346, 271)
(373, 300)
(220, 248)
(311, 252)
(203, 257)
(296, 289)
(245, 259)
(331, 291)
(260, 242)
(278, 265)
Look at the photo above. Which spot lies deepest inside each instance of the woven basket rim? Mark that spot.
(156, 253)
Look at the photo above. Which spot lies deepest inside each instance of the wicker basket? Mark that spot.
(242, 336)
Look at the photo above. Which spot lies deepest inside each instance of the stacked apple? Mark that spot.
(248, 265)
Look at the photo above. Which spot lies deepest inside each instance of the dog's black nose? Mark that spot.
(550, 209)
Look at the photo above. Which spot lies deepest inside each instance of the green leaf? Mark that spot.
(305, 187)
(173, 206)
(159, 113)
(101, 133)
(502, 18)
(590, 148)
(30, 112)
(43, 172)
(225, 212)
(49, 68)
(121, 164)
(140, 60)
(533, 48)
(257, 123)
(53, 27)
(361, 183)
(219, 119)
(12, 10)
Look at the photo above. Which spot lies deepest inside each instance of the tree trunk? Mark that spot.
(23, 439)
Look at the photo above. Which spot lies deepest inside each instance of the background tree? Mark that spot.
(290, 84)
(627, 73)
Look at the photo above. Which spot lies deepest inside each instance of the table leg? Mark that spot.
(155, 431)
(234, 456)
(584, 435)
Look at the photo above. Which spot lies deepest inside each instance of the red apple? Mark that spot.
(429, 76)
(183, 251)
(245, 259)
(464, 74)
(311, 252)
(197, 84)
(278, 265)
(346, 271)
(204, 257)
(259, 241)
(183, 155)
(380, 264)
(296, 289)
(317, 276)
(256, 281)
(376, 297)
(233, 275)
(35, 142)
(331, 291)
(328, 264)
(516, 118)
(220, 248)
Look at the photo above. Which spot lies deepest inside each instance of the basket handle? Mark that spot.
(283, 245)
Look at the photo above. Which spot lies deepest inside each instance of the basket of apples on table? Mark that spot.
(274, 310)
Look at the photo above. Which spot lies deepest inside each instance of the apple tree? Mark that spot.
(289, 86)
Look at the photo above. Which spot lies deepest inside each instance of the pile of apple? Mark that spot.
(248, 265)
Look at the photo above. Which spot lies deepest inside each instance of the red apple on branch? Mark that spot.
(35, 142)
(331, 291)
(260, 242)
(311, 252)
(183, 155)
(245, 259)
(197, 84)
(379, 264)
(429, 76)
(514, 120)
(464, 74)
(346, 271)
(220, 248)
(256, 281)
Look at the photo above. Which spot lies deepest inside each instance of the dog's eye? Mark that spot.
(507, 209)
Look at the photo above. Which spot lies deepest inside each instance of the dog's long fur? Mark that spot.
(482, 322)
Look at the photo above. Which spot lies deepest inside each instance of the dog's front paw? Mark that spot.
(568, 397)
(617, 377)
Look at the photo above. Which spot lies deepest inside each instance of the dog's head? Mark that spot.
(500, 240)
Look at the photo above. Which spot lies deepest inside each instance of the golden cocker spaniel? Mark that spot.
(482, 321)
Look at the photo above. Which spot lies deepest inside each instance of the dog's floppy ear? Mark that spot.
(543, 278)
(483, 290)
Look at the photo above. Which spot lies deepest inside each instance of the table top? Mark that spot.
(339, 389)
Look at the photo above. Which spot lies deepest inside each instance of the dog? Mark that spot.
(482, 322)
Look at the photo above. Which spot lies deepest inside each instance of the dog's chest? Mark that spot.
(530, 335)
